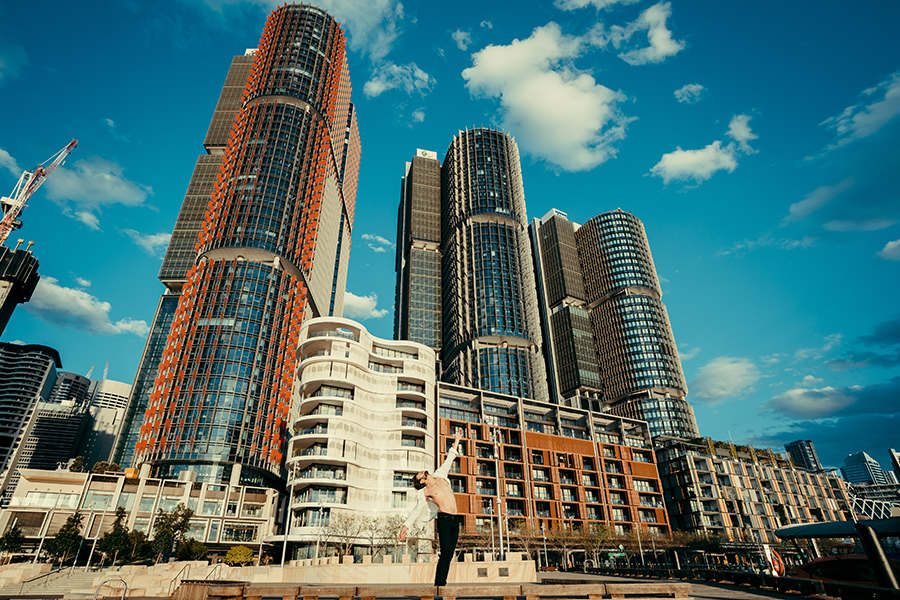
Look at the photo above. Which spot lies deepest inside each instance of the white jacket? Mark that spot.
(426, 510)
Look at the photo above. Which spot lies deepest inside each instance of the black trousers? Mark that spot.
(448, 535)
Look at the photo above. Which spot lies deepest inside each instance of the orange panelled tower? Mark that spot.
(271, 251)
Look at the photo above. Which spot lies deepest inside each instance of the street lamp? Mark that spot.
(496, 441)
(544, 535)
(319, 521)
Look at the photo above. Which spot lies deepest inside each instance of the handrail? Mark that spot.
(33, 579)
(105, 581)
(213, 570)
(175, 580)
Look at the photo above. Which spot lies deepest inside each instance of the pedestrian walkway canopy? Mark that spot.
(840, 529)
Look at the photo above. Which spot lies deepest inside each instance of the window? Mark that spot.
(252, 509)
(239, 532)
(211, 507)
(97, 500)
(213, 531)
(147, 503)
(398, 500)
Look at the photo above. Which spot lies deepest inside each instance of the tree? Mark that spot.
(594, 537)
(12, 540)
(64, 545)
(381, 532)
(77, 464)
(191, 549)
(138, 545)
(526, 535)
(103, 466)
(344, 530)
(117, 539)
(565, 538)
(239, 555)
(169, 530)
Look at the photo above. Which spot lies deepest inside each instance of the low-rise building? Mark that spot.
(741, 493)
(362, 418)
(549, 466)
(224, 515)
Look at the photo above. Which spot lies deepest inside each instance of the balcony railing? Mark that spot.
(405, 386)
(317, 430)
(334, 333)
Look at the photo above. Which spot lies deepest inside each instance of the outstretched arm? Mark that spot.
(456, 439)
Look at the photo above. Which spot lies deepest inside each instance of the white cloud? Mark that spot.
(377, 243)
(487, 24)
(724, 378)
(767, 240)
(815, 200)
(891, 251)
(372, 26)
(861, 120)
(83, 282)
(696, 165)
(690, 93)
(154, 243)
(362, 307)
(13, 60)
(9, 163)
(805, 403)
(89, 185)
(700, 165)
(739, 131)
(809, 380)
(653, 20)
(75, 308)
(556, 112)
(462, 39)
(686, 353)
(598, 4)
(111, 123)
(866, 225)
(388, 76)
(418, 115)
(832, 341)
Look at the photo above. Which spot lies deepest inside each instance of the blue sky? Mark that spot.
(756, 141)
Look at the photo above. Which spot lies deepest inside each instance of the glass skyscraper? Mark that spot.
(270, 250)
(491, 327)
(610, 345)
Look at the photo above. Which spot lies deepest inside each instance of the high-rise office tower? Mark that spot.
(271, 251)
(803, 453)
(27, 375)
(598, 285)
(181, 253)
(71, 387)
(572, 363)
(417, 311)
(860, 468)
(895, 462)
(18, 278)
(491, 328)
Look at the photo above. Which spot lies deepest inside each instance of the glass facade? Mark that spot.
(641, 372)
(417, 312)
(491, 330)
(272, 251)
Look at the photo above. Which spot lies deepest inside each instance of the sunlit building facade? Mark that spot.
(272, 251)
(417, 310)
(362, 423)
(641, 372)
(491, 333)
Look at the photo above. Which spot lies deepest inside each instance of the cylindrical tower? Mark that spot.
(272, 251)
(492, 331)
(641, 371)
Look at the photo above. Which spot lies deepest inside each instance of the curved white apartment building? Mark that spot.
(362, 422)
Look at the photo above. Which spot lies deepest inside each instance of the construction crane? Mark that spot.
(28, 184)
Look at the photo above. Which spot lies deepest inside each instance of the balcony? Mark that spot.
(406, 422)
(320, 429)
(405, 386)
(410, 404)
(486, 491)
(347, 335)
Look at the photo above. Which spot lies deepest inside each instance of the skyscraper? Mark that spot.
(803, 453)
(417, 313)
(181, 253)
(491, 328)
(608, 331)
(861, 468)
(271, 251)
(27, 375)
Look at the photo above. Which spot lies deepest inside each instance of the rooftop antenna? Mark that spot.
(106, 370)
(88, 376)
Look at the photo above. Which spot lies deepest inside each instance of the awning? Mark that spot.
(840, 529)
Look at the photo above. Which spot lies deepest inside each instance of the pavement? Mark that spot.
(700, 589)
